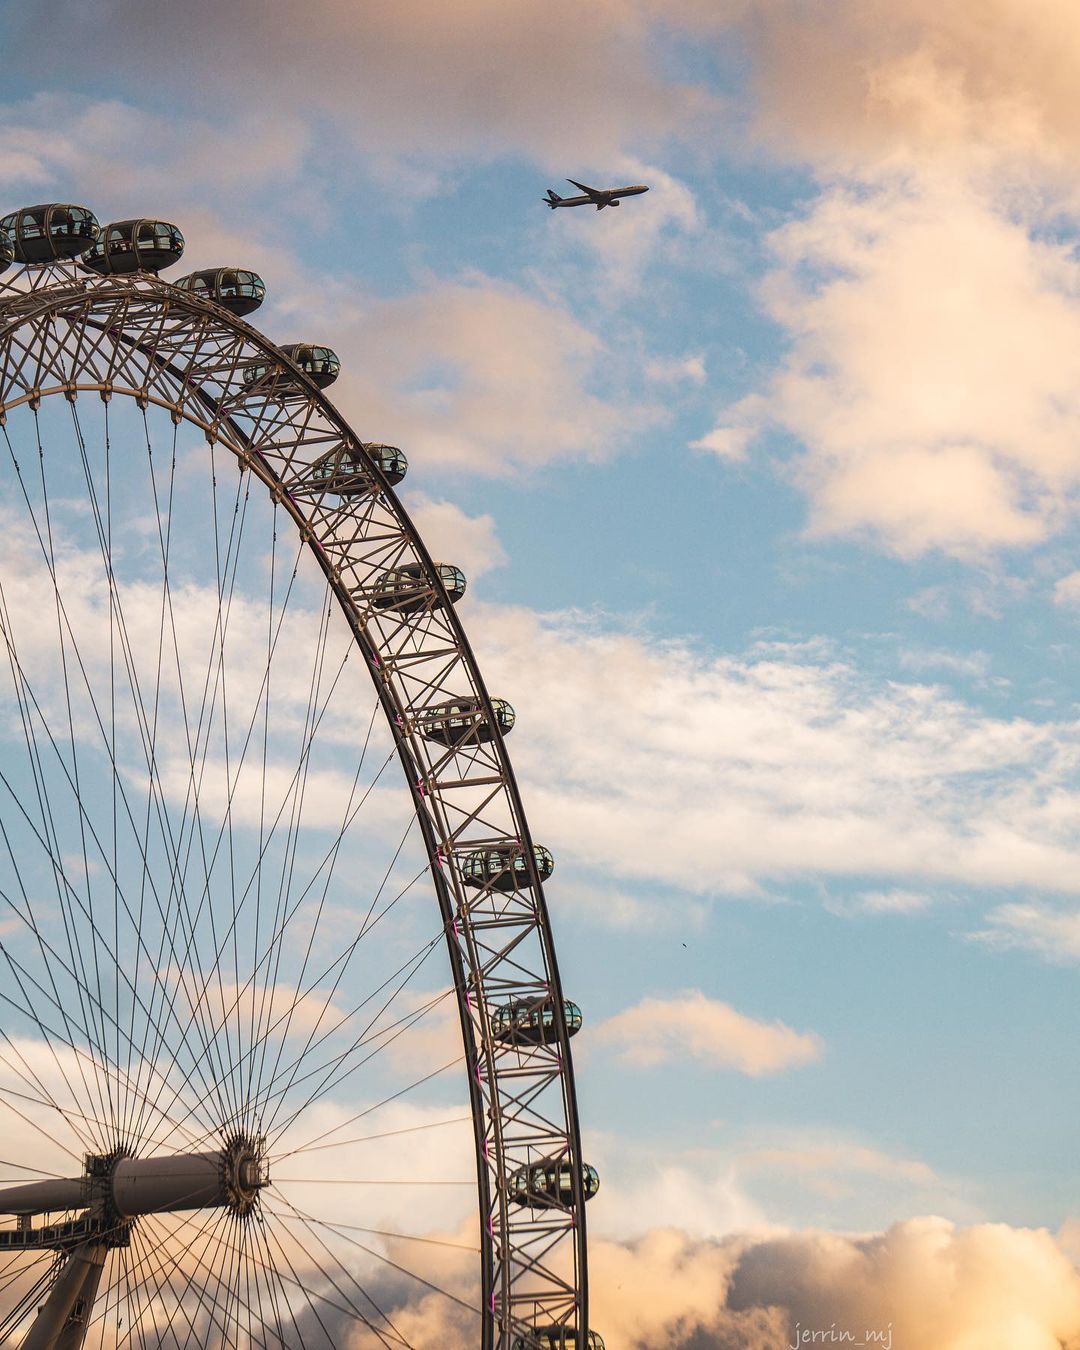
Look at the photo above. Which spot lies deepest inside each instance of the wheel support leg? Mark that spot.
(65, 1315)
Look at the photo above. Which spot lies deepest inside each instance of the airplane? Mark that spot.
(598, 197)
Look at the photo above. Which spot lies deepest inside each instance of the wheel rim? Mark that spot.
(166, 355)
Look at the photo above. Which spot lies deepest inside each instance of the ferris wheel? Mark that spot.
(284, 1053)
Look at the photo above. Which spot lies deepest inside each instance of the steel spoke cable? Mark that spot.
(48, 1035)
(310, 1223)
(267, 1267)
(164, 534)
(49, 847)
(165, 541)
(264, 698)
(104, 533)
(224, 1243)
(50, 1105)
(54, 999)
(331, 1069)
(329, 862)
(28, 915)
(366, 1181)
(348, 1307)
(386, 1101)
(335, 1072)
(36, 1125)
(26, 1074)
(78, 796)
(250, 1052)
(349, 1275)
(174, 847)
(382, 1035)
(256, 873)
(370, 1138)
(51, 1033)
(398, 1237)
(343, 959)
(176, 1304)
(293, 831)
(161, 1271)
(278, 937)
(22, 1167)
(28, 1301)
(349, 952)
(208, 704)
(112, 726)
(206, 1302)
(177, 845)
(74, 947)
(221, 684)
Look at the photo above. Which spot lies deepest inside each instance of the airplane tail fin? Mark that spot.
(552, 198)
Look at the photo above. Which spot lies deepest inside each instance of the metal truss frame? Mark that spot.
(64, 333)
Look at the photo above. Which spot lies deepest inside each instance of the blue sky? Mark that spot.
(766, 484)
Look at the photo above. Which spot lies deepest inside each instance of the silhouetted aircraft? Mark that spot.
(598, 197)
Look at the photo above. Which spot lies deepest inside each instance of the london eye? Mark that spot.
(285, 1055)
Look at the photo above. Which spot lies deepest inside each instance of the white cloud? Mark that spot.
(861, 80)
(933, 371)
(934, 1286)
(973, 665)
(675, 370)
(570, 83)
(693, 1026)
(1053, 934)
(656, 762)
(453, 536)
(730, 443)
(1067, 590)
(478, 374)
(824, 1163)
(625, 241)
(893, 901)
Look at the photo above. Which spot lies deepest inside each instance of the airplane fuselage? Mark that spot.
(598, 197)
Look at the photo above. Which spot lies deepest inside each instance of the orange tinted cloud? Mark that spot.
(987, 1287)
(692, 1026)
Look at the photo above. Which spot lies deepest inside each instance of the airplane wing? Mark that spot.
(594, 193)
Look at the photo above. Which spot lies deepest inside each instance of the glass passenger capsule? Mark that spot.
(233, 288)
(134, 246)
(556, 1338)
(345, 472)
(526, 1023)
(319, 364)
(407, 590)
(50, 233)
(505, 868)
(461, 721)
(550, 1185)
(7, 251)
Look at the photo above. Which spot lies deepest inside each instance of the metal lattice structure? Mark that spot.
(67, 335)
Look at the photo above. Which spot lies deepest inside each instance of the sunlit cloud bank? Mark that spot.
(940, 1288)
(932, 1285)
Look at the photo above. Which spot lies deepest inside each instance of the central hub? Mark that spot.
(245, 1171)
(123, 1187)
